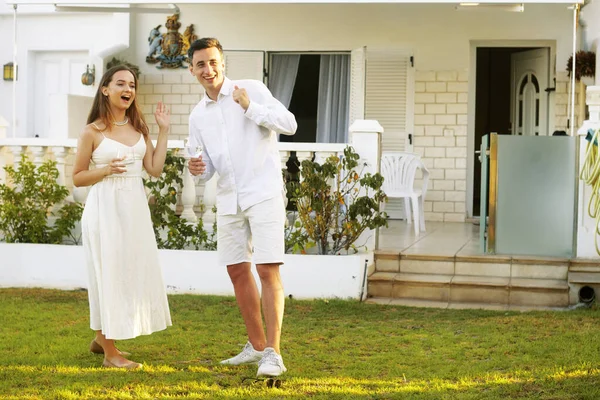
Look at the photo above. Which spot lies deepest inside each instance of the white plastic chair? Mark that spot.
(399, 170)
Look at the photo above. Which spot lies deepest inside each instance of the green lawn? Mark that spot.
(333, 350)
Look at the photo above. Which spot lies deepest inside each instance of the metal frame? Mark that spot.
(493, 199)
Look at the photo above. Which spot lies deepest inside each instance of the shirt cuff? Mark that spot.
(253, 110)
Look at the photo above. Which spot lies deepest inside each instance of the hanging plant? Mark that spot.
(117, 61)
(585, 64)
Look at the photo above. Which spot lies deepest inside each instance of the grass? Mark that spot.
(333, 350)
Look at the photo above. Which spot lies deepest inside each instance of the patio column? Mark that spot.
(365, 137)
(586, 225)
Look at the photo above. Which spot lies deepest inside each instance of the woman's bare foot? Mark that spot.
(97, 349)
(113, 358)
(120, 362)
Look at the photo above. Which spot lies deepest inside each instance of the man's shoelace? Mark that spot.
(270, 358)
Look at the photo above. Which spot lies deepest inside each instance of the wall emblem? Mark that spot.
(169, 49)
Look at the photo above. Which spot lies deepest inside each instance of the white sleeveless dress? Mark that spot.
(126, 291)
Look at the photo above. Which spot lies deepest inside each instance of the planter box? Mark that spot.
(184, 271)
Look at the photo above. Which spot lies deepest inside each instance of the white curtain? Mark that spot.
(283, 76)
(334, 99)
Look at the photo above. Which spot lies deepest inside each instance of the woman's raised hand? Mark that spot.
(163, 118)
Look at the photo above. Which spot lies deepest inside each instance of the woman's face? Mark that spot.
(120, 91)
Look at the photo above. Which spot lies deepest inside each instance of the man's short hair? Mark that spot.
(204, 43)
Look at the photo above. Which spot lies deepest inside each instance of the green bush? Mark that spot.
(31, 201)
(335, 205)
(172, 231)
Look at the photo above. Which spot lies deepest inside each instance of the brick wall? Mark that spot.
(179, 91)
(440, 137)
(562, 102)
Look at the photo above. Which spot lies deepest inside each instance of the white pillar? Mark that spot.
(586, 226)
(365, 138)
(209, 200)
(60, 153)
(188, 194)
(38, 153)
(17, 151)
(301, 156)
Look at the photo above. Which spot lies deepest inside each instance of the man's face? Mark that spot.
(208, 66)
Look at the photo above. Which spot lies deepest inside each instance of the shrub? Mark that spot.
(31, 201)
(172, 231)
(336, 205)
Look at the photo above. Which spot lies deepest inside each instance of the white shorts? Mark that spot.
(259, 228)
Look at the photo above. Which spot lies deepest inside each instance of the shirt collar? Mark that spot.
(226, 90)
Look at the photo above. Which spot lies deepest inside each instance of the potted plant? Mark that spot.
(117, 61)
(585, 66)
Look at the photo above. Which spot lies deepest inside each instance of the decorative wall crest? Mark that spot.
(169, 49)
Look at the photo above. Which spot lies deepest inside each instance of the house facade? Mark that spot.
(436, 76)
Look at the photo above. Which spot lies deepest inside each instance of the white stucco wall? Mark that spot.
(438, 34)
(590, 19)
(41, 30)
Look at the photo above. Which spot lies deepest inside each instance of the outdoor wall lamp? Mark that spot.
(9, 72)
(89, 76)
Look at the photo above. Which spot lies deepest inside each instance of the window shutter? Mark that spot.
(389, 94)
(389, 87)
(357, 84)
(244, 64)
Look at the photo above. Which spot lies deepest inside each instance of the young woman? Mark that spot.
(126, 292)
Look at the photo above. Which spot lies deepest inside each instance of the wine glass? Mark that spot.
(194, 151)
(129, 155)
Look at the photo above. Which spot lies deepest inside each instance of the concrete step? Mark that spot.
(468, 289)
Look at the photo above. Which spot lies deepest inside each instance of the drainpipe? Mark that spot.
(572, 111)
(15, 72)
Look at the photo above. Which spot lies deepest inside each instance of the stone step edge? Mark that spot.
(471, 280)
(419, 303)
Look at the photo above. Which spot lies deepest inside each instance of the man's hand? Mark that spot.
(240, 96)
(197, 166)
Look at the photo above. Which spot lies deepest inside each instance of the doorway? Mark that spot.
(511, 97)
(56, 74)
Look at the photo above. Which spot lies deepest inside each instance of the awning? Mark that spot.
(141, 2)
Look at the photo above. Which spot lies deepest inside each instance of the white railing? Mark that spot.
(191, 196)
(63, 152)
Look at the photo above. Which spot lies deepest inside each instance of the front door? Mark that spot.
(529, 100)
(57, 74)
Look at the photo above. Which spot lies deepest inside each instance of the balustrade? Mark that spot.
(63, 152)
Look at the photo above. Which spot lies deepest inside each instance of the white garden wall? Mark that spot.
(193, 272)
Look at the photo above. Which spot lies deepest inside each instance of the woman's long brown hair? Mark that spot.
(101, 108)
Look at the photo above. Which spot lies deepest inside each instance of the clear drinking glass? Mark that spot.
(129, 155)
(193, 150)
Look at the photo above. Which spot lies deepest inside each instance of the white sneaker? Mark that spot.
(247, 356)
(271, 364)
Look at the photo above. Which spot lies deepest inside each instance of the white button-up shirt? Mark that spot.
(242, 147)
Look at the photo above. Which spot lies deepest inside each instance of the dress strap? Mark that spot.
(96, 126)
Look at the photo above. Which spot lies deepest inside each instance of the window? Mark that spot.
(316, 88)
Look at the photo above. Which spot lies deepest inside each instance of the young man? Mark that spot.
(237, 123)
